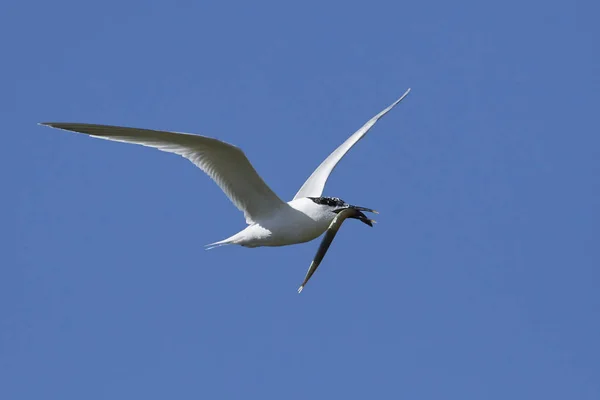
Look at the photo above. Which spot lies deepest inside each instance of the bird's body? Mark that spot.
(298, 221)
(271, 221)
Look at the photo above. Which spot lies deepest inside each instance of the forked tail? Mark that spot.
(215, 245)
(235, 239)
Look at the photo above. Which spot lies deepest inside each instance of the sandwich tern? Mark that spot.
(271, 221)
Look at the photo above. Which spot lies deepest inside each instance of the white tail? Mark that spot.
(216, 244)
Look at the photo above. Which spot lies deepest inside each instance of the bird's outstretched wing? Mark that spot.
(333, 229)
(227, 165)
(313, 187)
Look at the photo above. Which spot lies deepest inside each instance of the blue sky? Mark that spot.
(480, 280)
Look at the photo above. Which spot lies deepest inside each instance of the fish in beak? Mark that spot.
(358, 214)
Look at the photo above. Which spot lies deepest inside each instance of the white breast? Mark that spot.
(305, 221)
(301, 222)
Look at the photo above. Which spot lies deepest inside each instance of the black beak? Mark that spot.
(360, 216)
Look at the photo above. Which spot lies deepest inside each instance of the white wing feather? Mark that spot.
(314, 185)
(227, 165)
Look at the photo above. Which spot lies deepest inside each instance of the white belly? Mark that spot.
(301, 222)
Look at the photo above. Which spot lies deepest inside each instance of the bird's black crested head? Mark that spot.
(339, 205)
(330, 201)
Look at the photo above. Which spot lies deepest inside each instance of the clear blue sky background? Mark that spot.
(481, 280)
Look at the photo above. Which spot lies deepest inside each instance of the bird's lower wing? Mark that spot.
(314, 185)
(226, 164)
(333, 229)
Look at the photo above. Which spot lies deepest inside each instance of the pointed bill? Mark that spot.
(326, 242)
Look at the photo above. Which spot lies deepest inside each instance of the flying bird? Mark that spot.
(271, 221)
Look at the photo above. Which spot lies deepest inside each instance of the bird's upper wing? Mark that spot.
(313, 187)
(332, 230)
(227, 165)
